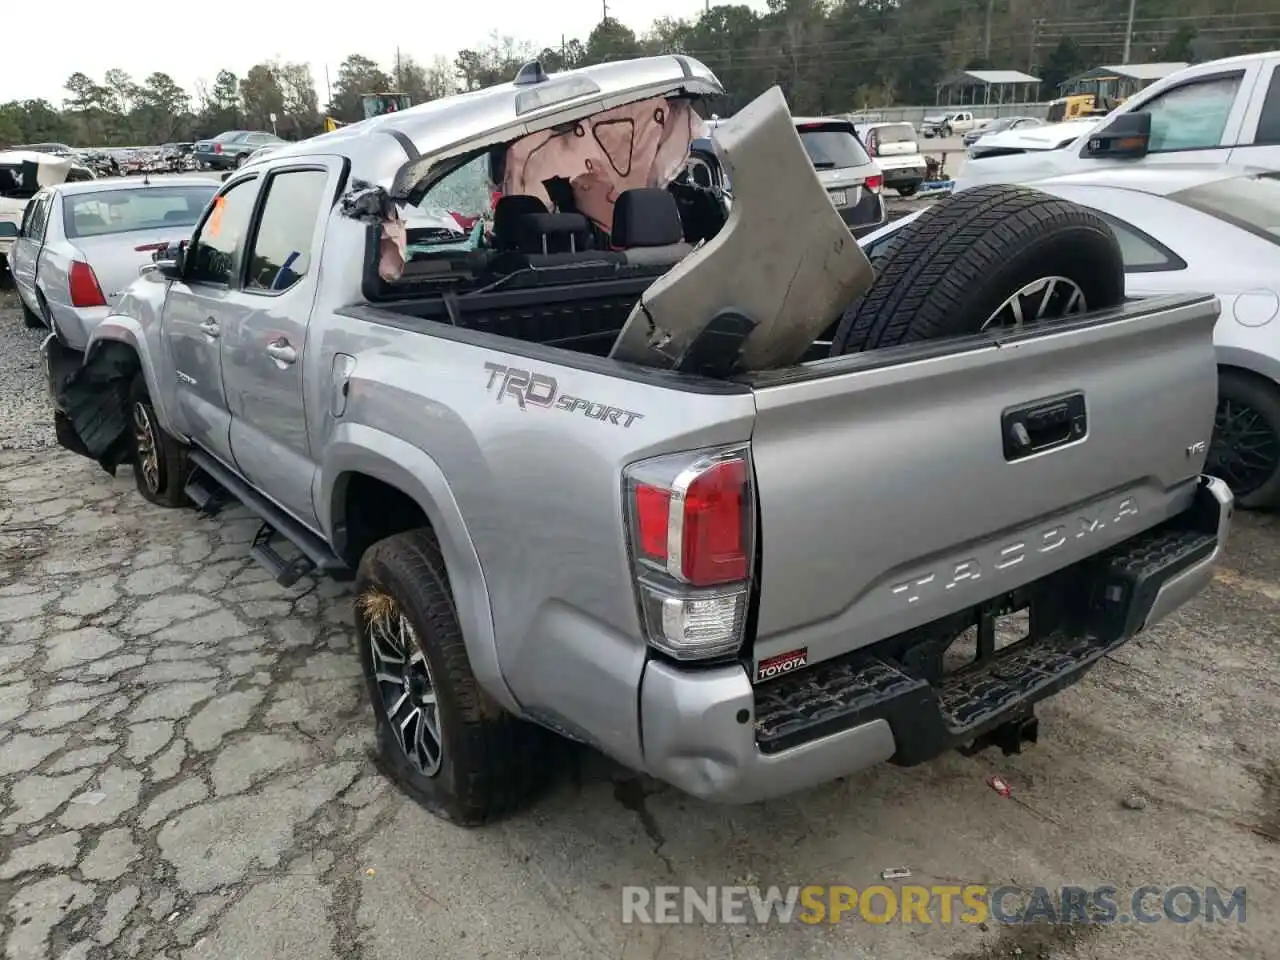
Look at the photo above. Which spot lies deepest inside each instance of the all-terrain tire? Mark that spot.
(491, 763)
(945, 273)
(1249, 396)
(166, 486)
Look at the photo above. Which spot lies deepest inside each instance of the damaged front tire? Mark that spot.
(159, 460)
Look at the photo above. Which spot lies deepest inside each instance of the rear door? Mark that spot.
(262, 356)
(1259, 141)
(24, 255)
(200, 309)
(887, 498)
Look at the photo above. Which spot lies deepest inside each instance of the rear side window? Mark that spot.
(281, 254)
(1250, 203)
(120, 211)
(1141, 253)
(832, 146)
(1269, 121)
(39, 217)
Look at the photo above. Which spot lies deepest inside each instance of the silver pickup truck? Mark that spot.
(612, 459)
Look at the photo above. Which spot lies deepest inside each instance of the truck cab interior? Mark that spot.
(553, 238)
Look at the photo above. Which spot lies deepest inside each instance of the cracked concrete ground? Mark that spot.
(184, 773)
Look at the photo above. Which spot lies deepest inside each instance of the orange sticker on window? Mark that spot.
(214, 226)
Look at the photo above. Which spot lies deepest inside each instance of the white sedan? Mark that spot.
(80, 245)
(1202, 228)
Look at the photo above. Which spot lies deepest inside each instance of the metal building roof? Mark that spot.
(991, 77)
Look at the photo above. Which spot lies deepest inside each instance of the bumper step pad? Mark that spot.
(927, 719)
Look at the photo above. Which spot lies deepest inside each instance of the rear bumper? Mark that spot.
(715, 735)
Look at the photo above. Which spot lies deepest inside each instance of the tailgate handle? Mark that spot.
(1043, 425)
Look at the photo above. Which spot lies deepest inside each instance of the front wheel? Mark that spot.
(159, 461)
(1245, 450)
(440, 737)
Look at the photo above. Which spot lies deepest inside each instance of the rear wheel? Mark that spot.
(159, 461)
(1245, 450)
(993, 256)
(907, 191)
(440, 737)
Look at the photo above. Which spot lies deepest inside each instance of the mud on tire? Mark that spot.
(945, 273)
(159, 460)
(490, 763)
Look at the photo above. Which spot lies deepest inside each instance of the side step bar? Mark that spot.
(316, 557)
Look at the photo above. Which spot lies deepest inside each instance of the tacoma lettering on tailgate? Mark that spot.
(539, 390)
(1000, 557)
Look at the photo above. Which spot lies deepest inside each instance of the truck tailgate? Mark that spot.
(895, 487)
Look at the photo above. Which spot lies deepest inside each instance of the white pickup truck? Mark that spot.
(1225, 111)
(950, 124)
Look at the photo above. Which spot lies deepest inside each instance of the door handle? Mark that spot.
(281, 353)
(210, 327)
(1044, 425)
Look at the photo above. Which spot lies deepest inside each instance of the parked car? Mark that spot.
(229, 150)
(852, 179)
(1225, 111)
(81, 244)
(738, 568)
(255, 156)
(1204, 227)
(894, 149)
(950, 123)
(1032, 139)
(57, 149)
(178, 157)
(999, 125)
(22, 175)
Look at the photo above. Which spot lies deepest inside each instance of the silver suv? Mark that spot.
(852, 179)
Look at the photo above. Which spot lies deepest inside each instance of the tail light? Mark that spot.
(691, 521)
(82, 284)
(217, 148)
(150, 247)
(873, 144)
(874, 182)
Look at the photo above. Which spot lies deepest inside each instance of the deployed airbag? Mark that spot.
(641, 144)
(784, 260)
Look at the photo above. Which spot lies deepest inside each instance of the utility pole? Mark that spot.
(604, 10)
(328, 90)
(399, 75)
(1031, 50)
(986, 39)
(1128, 33)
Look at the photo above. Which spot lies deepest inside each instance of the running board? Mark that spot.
(316, 557)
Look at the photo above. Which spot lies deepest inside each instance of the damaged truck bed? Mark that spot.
(600, 483)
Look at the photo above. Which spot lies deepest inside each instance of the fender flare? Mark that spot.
(358, 449)
(127, 331)
(1251, 361)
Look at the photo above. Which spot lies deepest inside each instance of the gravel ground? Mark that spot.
(26, 420)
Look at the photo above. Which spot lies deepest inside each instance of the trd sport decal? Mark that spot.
(538, 390)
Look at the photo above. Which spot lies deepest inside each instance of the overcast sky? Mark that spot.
(194, 41)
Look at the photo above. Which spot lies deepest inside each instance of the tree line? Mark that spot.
(827, 55)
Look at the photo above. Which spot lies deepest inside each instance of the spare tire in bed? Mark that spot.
(955, 269)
